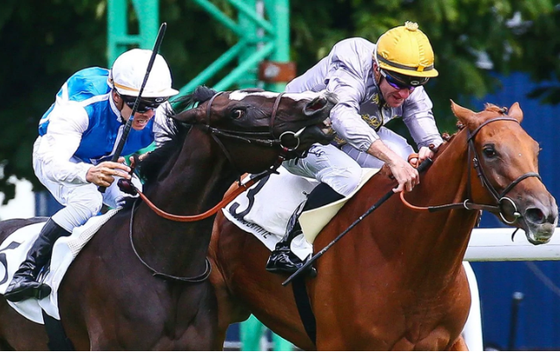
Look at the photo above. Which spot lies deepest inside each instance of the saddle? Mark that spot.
(13, 252)
(264, 210)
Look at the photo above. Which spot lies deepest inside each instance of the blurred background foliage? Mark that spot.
(475, 42)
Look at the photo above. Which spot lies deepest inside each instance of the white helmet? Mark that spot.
(129, 70)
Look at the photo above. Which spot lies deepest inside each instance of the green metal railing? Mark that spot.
(259, 38)
(119, 38)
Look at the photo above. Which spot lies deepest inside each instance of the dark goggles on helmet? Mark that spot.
(399, 81)
(145, 104)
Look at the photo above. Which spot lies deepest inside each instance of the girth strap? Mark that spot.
(58, 341)
(304, 308)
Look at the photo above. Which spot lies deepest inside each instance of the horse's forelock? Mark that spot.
(203, 93)
(494, 108)
(199, 95)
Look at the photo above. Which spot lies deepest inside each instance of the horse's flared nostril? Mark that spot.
(536, 216)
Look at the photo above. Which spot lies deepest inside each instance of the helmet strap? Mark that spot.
(114, 95)
(376, 73)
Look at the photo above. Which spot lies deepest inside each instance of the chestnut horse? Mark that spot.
(395, 281)
(140, 283)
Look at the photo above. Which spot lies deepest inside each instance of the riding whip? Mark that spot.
(423, 166)
(128, 124)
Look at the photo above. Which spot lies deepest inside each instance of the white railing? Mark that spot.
(495, 245)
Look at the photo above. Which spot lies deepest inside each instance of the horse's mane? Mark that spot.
(175, 134)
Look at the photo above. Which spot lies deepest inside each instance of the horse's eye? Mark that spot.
(489, 151)
(237, 113)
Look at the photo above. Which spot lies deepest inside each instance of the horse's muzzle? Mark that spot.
(540, 223)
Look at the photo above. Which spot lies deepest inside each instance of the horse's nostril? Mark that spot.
(535, 215)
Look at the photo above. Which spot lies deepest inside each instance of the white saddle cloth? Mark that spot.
(13, 252)
(264, 210)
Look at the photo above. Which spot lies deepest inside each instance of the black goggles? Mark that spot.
(145, 104)
(399, 81)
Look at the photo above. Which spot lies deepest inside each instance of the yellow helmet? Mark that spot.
(406, 50)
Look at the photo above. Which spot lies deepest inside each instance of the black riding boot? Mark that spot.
(23, 285)
(282, 259)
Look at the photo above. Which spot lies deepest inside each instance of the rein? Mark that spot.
(130, 188)
(500, 198)
(241, 186)
(193, 279)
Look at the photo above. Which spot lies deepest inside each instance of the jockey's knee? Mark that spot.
(344, 181)
(85, 206)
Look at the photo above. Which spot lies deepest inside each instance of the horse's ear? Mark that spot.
(316, 105)
(516, 112)
(463, 114)
(190, 116)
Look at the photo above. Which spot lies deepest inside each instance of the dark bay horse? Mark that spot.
(140, 283)
(395, 281)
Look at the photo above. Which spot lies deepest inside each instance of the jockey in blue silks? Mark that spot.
(78, 135)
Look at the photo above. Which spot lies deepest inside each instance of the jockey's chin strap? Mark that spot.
(500, 198)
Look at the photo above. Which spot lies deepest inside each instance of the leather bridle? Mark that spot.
(248, 137)
(499, 197)
(251, 137)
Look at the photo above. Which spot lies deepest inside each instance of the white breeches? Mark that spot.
(341, 169)
(81, 201)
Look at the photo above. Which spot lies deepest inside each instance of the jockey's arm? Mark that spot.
(404, 173)
(56, 148)
(420, 121)
(350, 126)
(60, 143)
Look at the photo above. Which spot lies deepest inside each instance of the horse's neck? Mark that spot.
(193, 183)
(433, 243)
(197, 179)
(442, 236)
